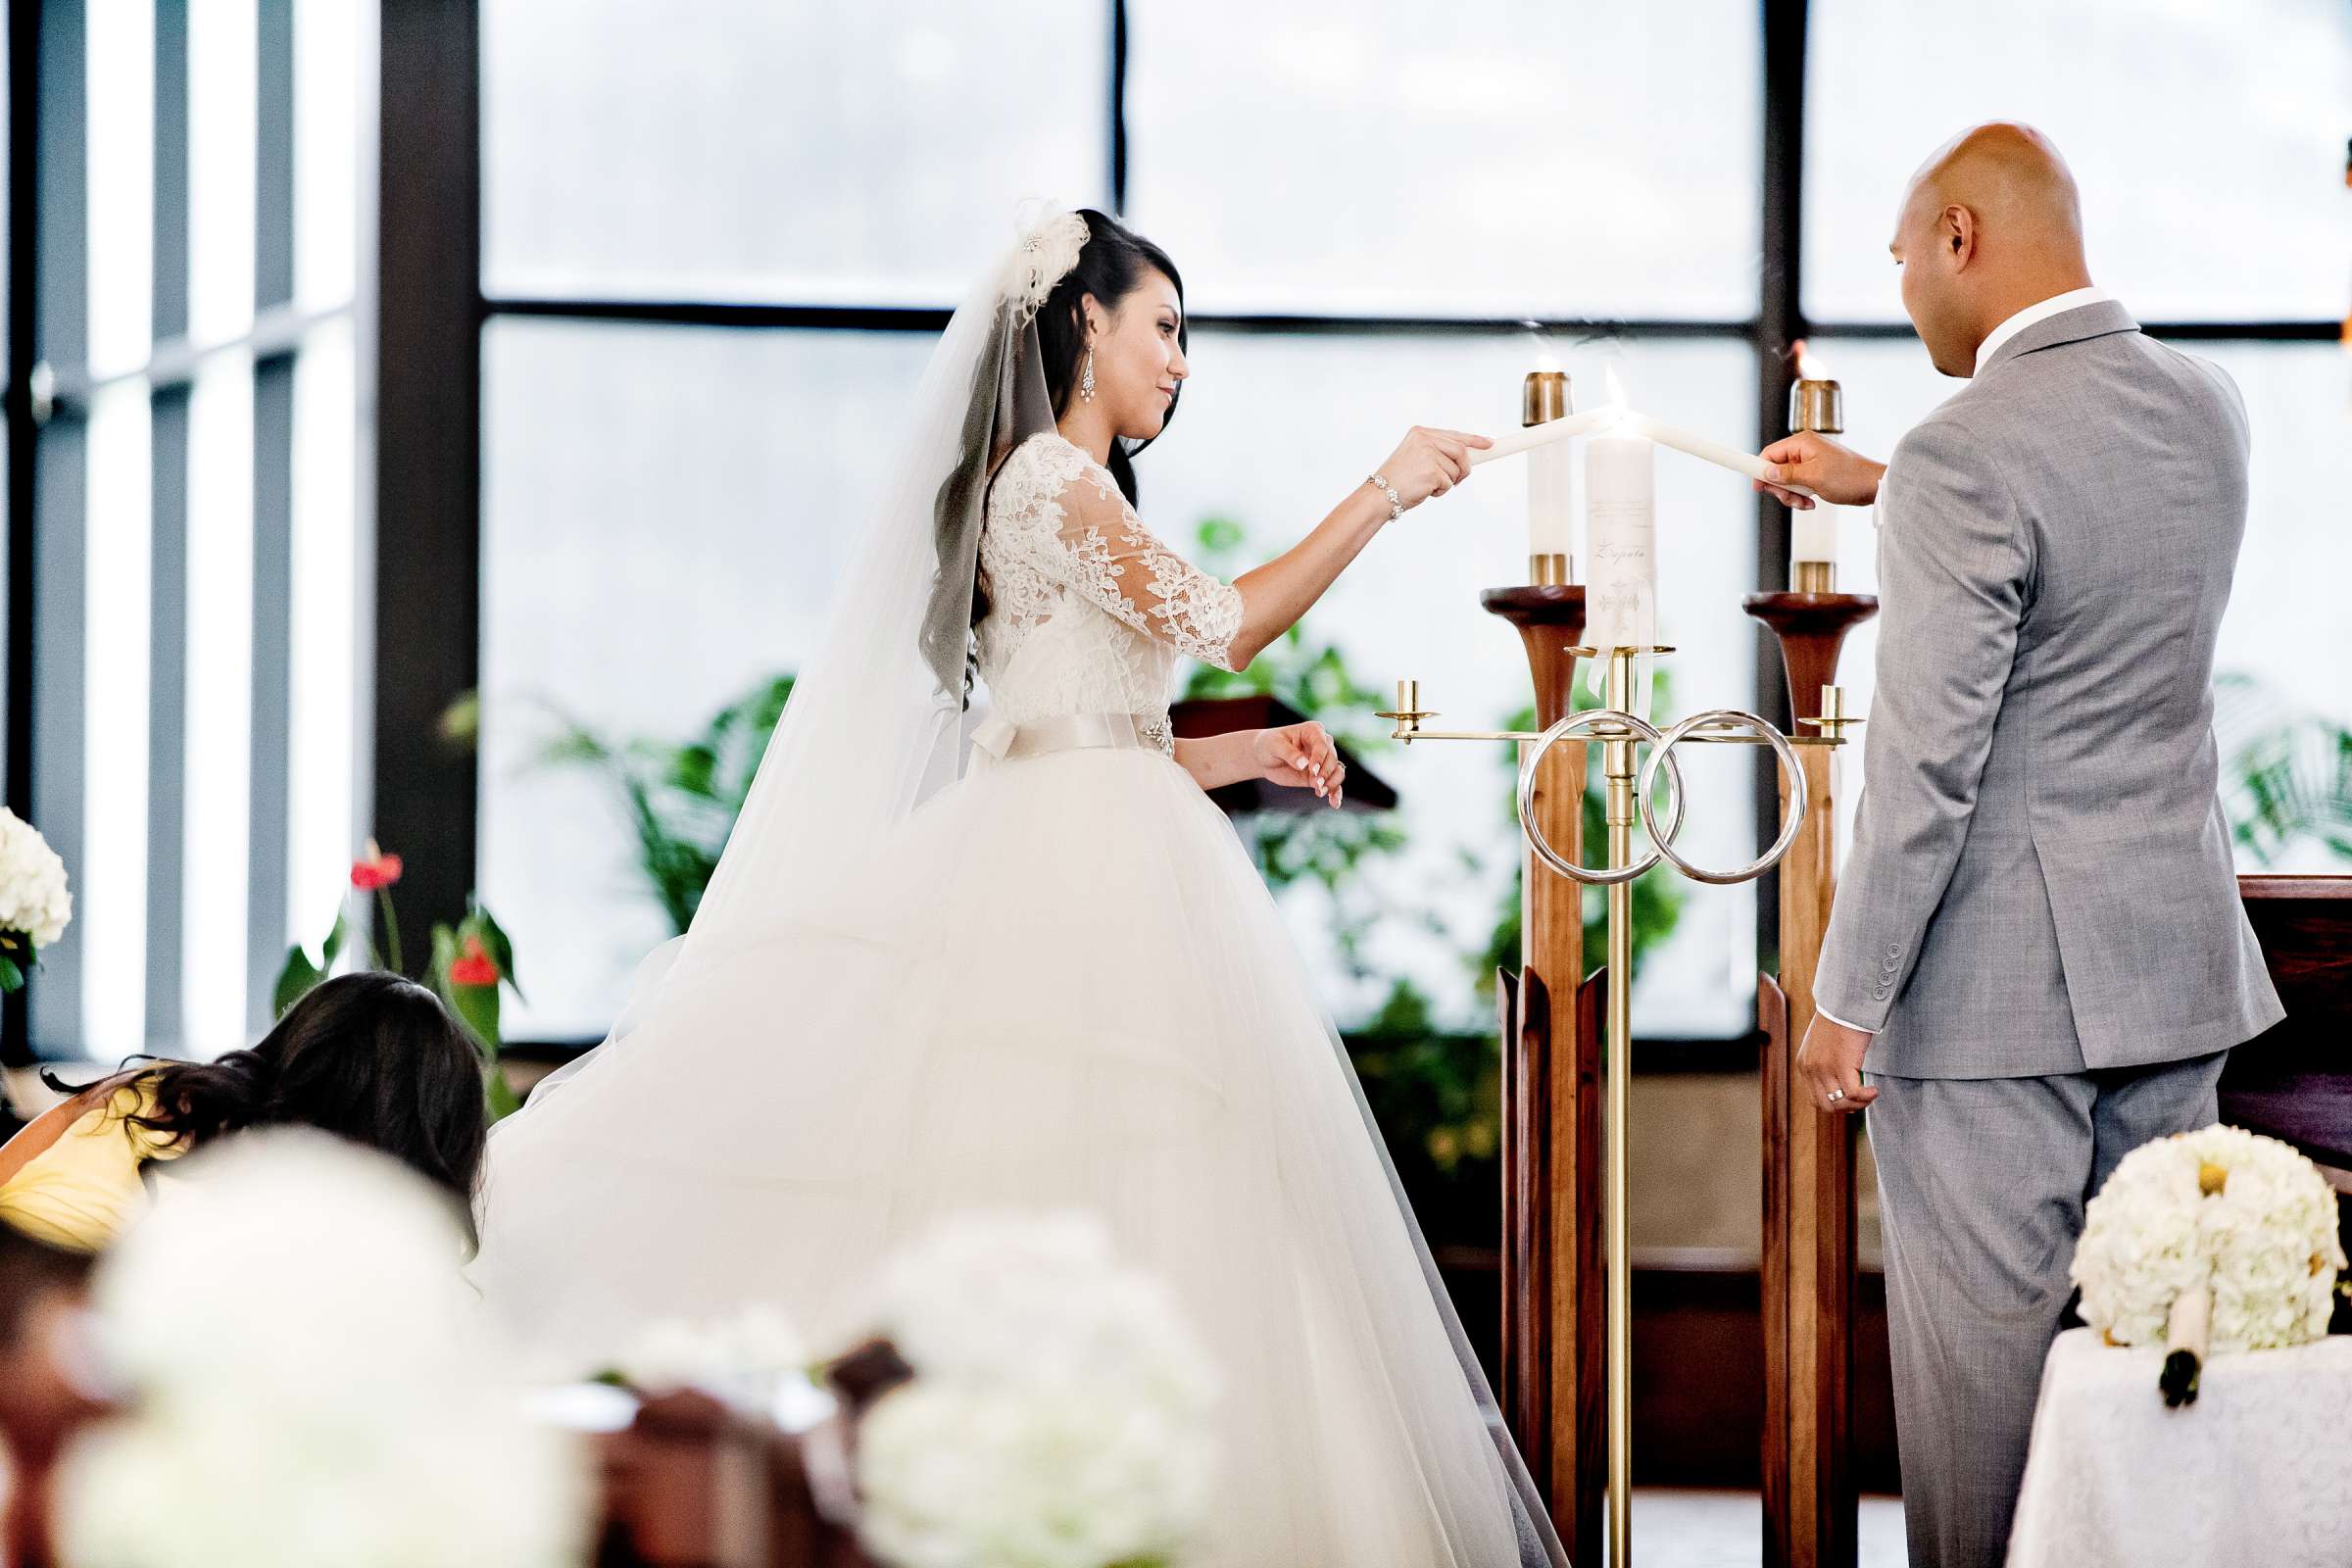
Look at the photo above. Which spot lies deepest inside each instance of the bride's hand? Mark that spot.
(1303, 757)
(1429, 463)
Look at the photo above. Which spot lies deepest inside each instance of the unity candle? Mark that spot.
(1620, 569)
(1816, 403)
(1551, 498)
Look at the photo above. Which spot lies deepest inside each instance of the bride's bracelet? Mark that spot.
(1395, 501)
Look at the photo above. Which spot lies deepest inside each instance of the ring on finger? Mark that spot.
(1836, 1095)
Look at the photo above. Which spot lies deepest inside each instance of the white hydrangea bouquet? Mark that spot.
(1059, 1414)
(753, 1360)
(2219, 1239)
(308, 1383)
(34, 906)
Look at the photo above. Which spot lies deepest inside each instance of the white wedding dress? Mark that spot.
(1065, 985)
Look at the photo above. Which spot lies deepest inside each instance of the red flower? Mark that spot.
(378, 870)
(474, 968)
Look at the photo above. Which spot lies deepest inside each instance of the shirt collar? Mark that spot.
(2073, 299)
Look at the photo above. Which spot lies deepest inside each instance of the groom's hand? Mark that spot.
(1830, 1060)
(1837, 475)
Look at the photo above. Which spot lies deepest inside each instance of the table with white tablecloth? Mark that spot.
(2257, 1471)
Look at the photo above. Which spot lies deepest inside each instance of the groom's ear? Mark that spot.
(1956, 232)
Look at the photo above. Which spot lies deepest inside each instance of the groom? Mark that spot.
(2037, 953)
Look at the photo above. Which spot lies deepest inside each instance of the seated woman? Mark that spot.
(373, 1057)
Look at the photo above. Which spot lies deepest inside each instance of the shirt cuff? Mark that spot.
(1820, 1011)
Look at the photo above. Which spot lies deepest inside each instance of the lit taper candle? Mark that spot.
(1817, 404)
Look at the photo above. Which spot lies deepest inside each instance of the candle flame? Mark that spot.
(1547, 359)
(1615, 404)
(1809, 367)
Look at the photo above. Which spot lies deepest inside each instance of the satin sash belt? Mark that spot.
(997, 741)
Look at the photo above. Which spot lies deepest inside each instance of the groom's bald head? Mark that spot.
(1990, 225)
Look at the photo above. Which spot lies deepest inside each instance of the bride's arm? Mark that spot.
(1274, 596)
(1114, 561)
(1296, 756)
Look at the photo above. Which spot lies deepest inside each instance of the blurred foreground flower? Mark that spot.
(1059, 1413)
(307, 1383)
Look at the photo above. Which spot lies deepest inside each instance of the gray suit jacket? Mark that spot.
(2041, 880)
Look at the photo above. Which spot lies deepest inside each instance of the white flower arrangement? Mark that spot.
(35, 906)
(756, 1342)
(307, 1387)
(1060, 1412)
(2218, 1238)
(754, 1361)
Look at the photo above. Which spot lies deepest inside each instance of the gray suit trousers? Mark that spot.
(1982, 1186)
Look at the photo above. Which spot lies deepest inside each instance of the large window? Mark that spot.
(1361, 210)
(715, 240)
(718, 244)
(192, 408)
(2209, 147)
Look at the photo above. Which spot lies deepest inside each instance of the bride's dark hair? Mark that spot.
(1110, 266)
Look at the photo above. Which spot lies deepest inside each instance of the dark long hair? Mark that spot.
(373, 1057)
(1110, 266)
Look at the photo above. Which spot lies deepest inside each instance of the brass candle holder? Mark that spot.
(1543, 398)
(1816, 404)
(1585, 1287)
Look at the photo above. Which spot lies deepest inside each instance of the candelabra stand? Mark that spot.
(1565, 1411)
(1808, 1267)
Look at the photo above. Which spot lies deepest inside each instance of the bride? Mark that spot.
(1024, 962)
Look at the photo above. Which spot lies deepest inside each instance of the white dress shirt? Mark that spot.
(2073, 299)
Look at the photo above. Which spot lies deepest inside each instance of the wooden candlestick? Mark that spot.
(1810, 1503)
(1812, 629)
(1552, 1313)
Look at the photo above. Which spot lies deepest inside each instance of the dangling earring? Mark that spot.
(1085, 382)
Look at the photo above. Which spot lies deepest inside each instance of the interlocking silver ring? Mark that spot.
(1605, 876)
(1798, 799)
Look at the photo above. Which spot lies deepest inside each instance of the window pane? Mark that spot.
(1409, 607)
(747, 149)
(1370, 158)
(220, 707)
(110, 885)
(326, 151)
(222, 62)
(319, 837)
(665, 511)
(119, 62)
(700, 482)
(2208, 142)
(2286, 626)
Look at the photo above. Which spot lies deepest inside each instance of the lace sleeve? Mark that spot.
(1116, 564)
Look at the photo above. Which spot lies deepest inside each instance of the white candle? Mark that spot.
(1536, 436)
(1621, 568)
(1816, 533)
(1550, 501)
(1715, 452)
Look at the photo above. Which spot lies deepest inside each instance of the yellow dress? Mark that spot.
(84, 1189)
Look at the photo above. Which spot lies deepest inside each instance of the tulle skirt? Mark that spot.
(1063, 986)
